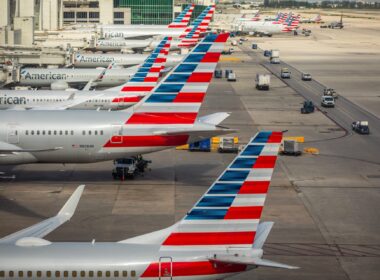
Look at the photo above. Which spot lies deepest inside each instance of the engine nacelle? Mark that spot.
(59, 85)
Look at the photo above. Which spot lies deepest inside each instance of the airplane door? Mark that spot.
(13, 136)
(116, 136)
(165, 268)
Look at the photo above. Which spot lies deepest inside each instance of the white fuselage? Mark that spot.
(89, 60)
(112, 261)
(43, 77)
(53, 99)
(262, 27)
(142, 32)
(120, 44)
(83, 136)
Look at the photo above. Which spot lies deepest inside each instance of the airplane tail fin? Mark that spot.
(229, 213)
(183, 19)
(191, 35)
(148, 73)
(176, 100)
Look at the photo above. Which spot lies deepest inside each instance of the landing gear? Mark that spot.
(128, 168)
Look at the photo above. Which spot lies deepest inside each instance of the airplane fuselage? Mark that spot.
(79, 136)
(45, 99)
(89, 60)
(111, 260)
(42, 77)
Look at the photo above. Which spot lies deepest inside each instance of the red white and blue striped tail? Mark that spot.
(229, 212)
(191, 35)
(148, 73)
(176, 100)
(183, 19)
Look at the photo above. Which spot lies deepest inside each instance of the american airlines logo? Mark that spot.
(12, 100)
(107, 59)
(113, 34)
(111, 44)
(42, 76)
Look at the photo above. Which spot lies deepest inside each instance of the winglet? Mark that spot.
(43, 228)
(70, 206)
(262, 233)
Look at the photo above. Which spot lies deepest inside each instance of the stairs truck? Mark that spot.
(275, 57)
(262, 81)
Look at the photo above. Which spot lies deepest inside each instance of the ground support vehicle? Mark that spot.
(360, 127)
(306, 77)
(262, 81)
(227, 145)
(128, 168)
(327, 101)
(285, 73)
(308, 107)
(290, 148)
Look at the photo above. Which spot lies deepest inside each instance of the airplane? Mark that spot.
(133, 32)
(111, 99)
(199, 25)
(221, 236)
(166, 117)
(93, 60)
(269, 29)
(316, 19)
(64, 78)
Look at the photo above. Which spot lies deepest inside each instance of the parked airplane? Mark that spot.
(268, 28)
(64, 78)
(199, 25)
(316, 19)
(221, 236)
(133, 32)
(110, 99)
(166, 117)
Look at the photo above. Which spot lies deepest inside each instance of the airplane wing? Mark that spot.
(8, 149)
(45, 227)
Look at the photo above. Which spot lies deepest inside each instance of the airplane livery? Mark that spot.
(219, 237)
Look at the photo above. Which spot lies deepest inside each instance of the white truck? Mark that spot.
(262, 81)
(275, 57)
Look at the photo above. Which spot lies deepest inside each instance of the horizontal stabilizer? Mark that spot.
(215, 118)
(233, 259)
(45, 227)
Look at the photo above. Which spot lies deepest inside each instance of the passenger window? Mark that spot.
(74, 274)
(96, 132)
(55, 132)
(91, 274)
(108, 273)
(39, 273)
(89, 132)
(21, 274)
(116, 273)
(2, 273)
(49, 132)
(83, 132)
(32, 132)
(101, 132)
(133, 273)
(38, 132)
(82, 273)
(65, 273)
(100, 274)
(30, 274)
(72, 132)
(26, 132)
(43, 132)
(57, 274)
(48, 274)
(60, 132)
(11, 273)
(66, 132)
(125, 273)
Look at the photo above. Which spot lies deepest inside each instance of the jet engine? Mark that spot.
(59, 85)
